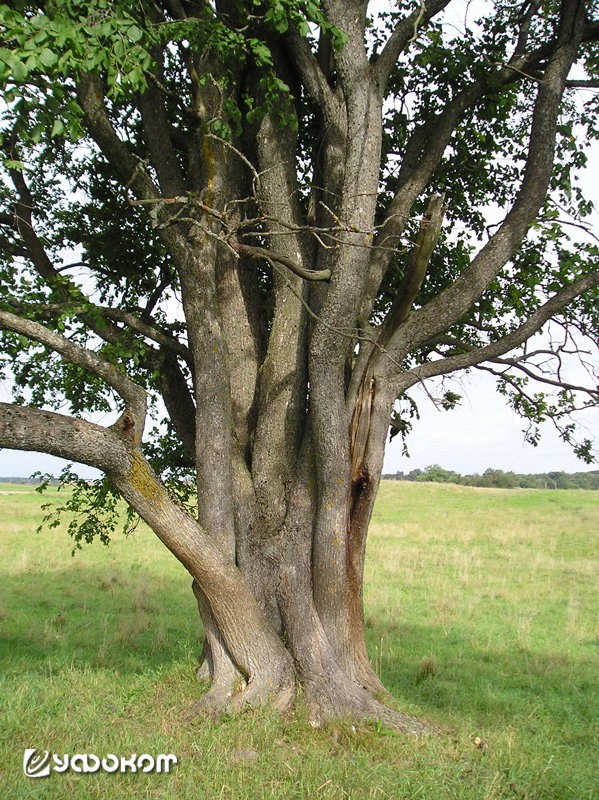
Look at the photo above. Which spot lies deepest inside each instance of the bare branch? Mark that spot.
(270, 255)
(583, 84)
(514, 363)
(523, 363)
(75, 439)
(246, 161)
(531, 10)
(430, 229)
(126, 164)
(150, 331)
(312, 76)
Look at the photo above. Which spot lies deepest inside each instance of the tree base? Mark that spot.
(235, 694)
(325, 701)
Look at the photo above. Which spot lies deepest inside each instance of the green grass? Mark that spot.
(482, 616)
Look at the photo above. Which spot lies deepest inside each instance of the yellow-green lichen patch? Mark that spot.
(144, 481)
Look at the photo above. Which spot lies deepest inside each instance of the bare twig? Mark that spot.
(517, 364)
(417, 21)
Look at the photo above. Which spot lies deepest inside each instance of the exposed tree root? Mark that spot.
(328, 701)
(232, 694)
(325, 700)
(258, 693)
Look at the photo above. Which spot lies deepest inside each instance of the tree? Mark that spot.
(259, 224)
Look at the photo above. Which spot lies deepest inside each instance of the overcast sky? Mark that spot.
(483, 432)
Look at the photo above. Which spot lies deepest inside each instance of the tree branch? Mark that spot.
(22, 222)
(311, 74)
(513, 363)
(430, 229)
(158, 129)
(552, 414)
(531, 9)
(403, 34)
(126, 164)
(588, 84)
(149, 331)
(270, 255)
(424, 152)
(178, 400)
(496, 349)
(443, 310)
(519, 362)
(74, 439)
(133, 395)
(51, 310)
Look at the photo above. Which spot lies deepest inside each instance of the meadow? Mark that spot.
(482, 617)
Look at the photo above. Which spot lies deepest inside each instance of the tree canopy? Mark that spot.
(234, 234)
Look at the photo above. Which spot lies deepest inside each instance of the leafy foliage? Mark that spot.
(94, 508)
(498, 479)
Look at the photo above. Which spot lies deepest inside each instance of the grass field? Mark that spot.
(482, 616)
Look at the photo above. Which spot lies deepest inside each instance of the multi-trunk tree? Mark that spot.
(249, 228)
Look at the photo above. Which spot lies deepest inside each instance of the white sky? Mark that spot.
(482, 432)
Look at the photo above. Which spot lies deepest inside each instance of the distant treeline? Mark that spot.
(30, 481)
(502, 480)
(490, 478)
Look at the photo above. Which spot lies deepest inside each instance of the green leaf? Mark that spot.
(135, 33)
(57, 128)
(48, 57)
(10, 163)
(18, 69)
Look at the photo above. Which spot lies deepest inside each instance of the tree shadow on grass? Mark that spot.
(497, 684)
(125, 620)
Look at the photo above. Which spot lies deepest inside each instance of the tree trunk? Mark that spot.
(250, 662)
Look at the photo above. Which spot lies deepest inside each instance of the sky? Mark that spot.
(481, 433)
